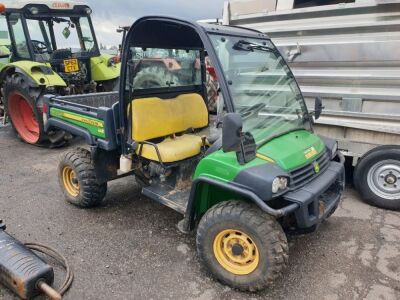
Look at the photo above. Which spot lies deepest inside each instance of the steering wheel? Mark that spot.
(39, 47)
(251, 111)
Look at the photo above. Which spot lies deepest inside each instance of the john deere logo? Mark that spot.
(310, 153)
(316, 167)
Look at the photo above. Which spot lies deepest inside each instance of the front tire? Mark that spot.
(377, 177)
(241, 246)
(77, 179)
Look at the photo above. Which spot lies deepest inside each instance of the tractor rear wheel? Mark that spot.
(154, 77)
(24, 109)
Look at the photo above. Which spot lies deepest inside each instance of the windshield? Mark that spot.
(4, 38)
(261, 85)
(69, 33)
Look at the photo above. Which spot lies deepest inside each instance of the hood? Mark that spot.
(293, 150)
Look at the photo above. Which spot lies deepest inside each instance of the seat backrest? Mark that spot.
(155, 117)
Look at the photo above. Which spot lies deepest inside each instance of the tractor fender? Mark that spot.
(37, 74)
(101, 70)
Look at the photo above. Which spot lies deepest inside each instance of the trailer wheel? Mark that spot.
(377, 177)
(241, 246)
(77, 178)
(24, 109)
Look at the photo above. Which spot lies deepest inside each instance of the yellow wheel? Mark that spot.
(70, 181)
(78, 179)
(236, 252)
(241, 246)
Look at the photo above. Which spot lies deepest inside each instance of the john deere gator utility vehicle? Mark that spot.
(53, 49)
(241, 185)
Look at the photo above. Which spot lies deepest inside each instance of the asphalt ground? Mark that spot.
(129, 247)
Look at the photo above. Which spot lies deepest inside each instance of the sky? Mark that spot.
(109, 14)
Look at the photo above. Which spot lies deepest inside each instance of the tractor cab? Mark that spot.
(60, 34)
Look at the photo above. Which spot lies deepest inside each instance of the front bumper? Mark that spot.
(319, 198)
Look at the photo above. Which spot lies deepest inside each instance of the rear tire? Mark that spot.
(24, 110)
(78, 181)
(377, 177)
(154, 77)
(242, 246)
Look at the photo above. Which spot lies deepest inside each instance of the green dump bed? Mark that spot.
(91, 116)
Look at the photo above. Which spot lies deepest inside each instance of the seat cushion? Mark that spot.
(154, 117)
(171, 150)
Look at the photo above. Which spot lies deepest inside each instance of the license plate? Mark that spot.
(71, 65)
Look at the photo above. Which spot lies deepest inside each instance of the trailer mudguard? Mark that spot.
(38, 74)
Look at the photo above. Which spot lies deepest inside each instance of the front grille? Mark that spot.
(303, 175)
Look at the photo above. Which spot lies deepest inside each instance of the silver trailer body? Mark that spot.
(347, 54)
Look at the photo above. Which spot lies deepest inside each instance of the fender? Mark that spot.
(189, 219)
(38, 74)
(101, 70)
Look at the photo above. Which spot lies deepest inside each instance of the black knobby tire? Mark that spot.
(90, 192)
(15, 84)
(108, 86)
(370, 187)
(262, 229)
(154, 77)
(17, 88)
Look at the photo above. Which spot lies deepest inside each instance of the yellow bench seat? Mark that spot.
(173, 149)
(154, 118)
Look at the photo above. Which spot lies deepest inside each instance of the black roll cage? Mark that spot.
(24, 14)
(203, 32)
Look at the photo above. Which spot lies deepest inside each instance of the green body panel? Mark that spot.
(100, 70)
(38, 77)
(223, 166)
(4, 56)
(287, 151)
(93, 125)
(4, 42)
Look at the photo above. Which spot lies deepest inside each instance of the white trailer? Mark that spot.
(347, 53)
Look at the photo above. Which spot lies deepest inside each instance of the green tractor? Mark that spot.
(53, 50)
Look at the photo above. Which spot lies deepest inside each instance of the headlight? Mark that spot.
(334, 150)
(279, 183)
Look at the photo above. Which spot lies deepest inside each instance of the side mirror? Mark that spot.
(318, 108)
(232, 125)
(235, 140)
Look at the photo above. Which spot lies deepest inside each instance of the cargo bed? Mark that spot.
(91, 116)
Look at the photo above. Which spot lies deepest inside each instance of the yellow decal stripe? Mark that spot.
(82, 119)
(263, 157)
